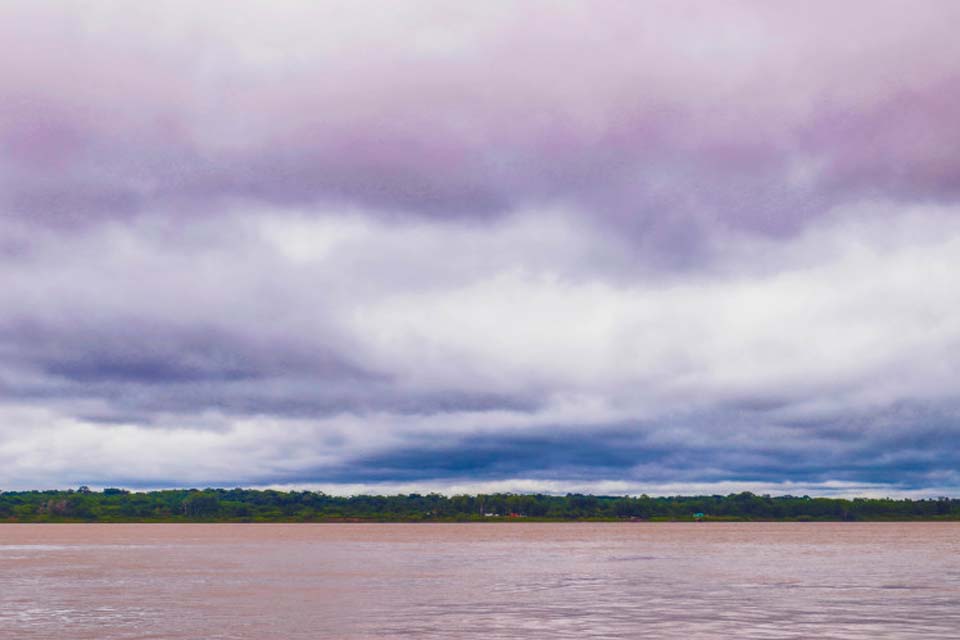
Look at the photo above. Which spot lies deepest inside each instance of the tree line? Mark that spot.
(252, 505)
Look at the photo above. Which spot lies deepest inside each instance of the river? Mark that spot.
(484, 580)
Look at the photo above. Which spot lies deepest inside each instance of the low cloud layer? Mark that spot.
(600, 246)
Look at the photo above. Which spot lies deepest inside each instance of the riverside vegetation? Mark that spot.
(250, 505)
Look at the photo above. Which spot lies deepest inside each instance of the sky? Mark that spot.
(613, 247)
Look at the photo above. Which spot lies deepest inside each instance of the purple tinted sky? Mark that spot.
(604, 246)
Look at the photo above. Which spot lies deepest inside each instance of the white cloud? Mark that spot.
(839, 321)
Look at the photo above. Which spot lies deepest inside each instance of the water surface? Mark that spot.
(486, 580)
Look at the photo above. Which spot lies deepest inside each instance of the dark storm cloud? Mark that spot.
(144, 368)
(909, 458)
(144, 352)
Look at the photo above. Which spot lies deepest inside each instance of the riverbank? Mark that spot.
(251, 505)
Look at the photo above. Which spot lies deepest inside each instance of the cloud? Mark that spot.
(335, 350)
(577, 245)
(683, 116)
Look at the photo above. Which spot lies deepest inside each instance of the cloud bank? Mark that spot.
(598, 246)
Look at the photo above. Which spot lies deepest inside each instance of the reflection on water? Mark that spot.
(487, 580)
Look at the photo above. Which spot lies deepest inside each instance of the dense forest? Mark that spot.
(249, 505)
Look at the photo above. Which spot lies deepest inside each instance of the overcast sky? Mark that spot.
(661, 247)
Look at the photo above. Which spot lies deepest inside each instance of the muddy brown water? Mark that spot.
(485, 580)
